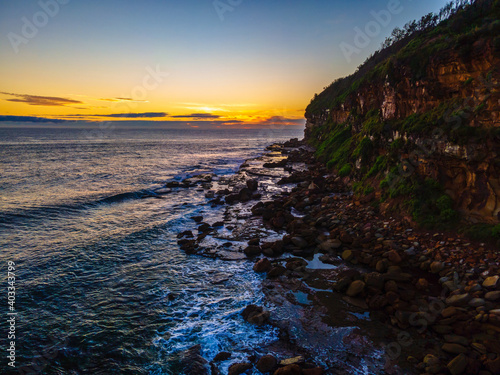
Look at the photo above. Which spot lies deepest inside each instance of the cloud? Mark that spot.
(41, 100)
(29, 119)
(121, 100)
(198, 116)
(125, 115)
(136, 115)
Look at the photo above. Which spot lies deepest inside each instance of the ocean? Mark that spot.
(101, 286)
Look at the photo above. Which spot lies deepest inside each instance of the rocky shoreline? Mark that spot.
(349, 289)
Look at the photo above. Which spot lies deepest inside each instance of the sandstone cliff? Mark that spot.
(424, 109)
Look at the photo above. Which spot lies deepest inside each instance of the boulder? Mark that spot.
(239, 368)
(255, 314)
(267, 363)
(262, 265)
(289, 370)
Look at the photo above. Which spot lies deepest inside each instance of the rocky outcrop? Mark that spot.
(463, 90)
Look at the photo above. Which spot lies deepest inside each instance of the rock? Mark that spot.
(358, 302)
(299, 242)
(391, 286)
(458, 364)
(449, 311)
(204, 227)
(436, 267)
(394, 257)
(253, 184)
(193, 363)
(476, 302)
(422, 284)
(493, 365)
(458, 299)
(276, 272)
(491, 282)
(375, 280)
(222, 356)
(355, 288)
(255, 314)
(267, 363)
(347, 255)
(493, 296)
(197, 219)
(239, 368)
(330, 245)
(289, 370)
(262, 265)
(292, 361)
(186, 233)
(454, 348)
(252, 251)
(313, 371)
(381, 266)
(455, 339)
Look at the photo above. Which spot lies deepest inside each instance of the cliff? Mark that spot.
(417, 127)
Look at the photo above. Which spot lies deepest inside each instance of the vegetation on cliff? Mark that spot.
(381, 147)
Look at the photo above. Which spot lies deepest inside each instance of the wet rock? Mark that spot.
(491, 282)
(276, 272)
(252, 251)
(244, 195)
(239, 368)
(289, 370)
(210, 194)
(186, 233)
(253, 184)
(255, 314)
(267, 363)
(295, 263)
(205, 227)
(355, 288)
(197, 218)
(458, 365)
(258, 209)
(330, 245)
(222, 356)
(193, 363)
(172, 184)
(262, 265)
(254, 242)
(299, 242)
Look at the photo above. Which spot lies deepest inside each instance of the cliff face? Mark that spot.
(440, 123)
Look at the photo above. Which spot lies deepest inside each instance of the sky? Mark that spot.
(232, 63)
